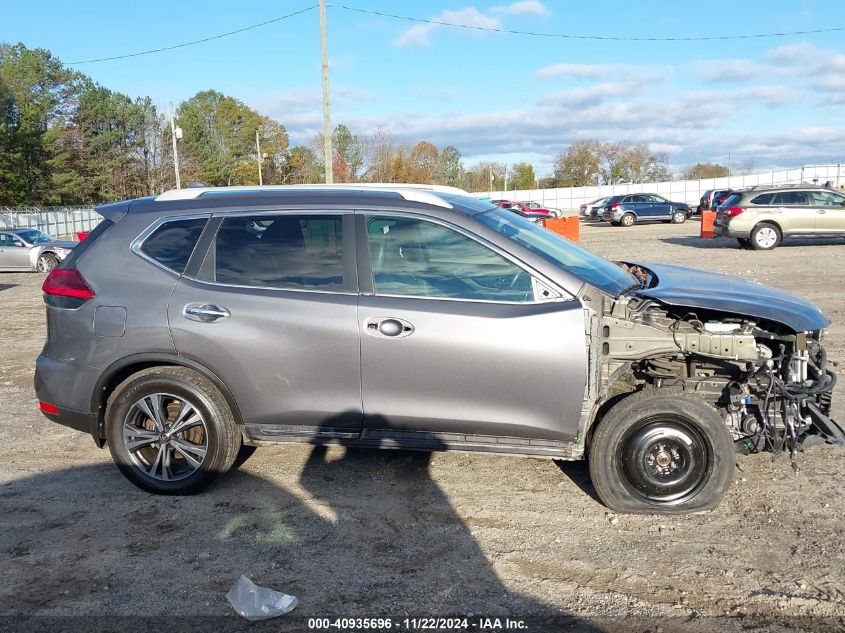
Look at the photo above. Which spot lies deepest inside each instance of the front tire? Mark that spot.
(661, 453)
(170, 431)
(679, 217)
(765, 237)
(46, 262)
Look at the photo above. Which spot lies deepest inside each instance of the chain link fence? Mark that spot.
(55, 221)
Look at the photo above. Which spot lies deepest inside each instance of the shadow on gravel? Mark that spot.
(579, 472)
(362, 533)
(720, 243)
(7, 286)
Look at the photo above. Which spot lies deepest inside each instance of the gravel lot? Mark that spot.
(363, 533)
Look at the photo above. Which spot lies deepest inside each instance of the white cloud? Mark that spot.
(523, 7)
(577, 71)
(729, 70)
(419, 34)
(588, 95)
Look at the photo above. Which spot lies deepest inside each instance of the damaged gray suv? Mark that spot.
(204, 320)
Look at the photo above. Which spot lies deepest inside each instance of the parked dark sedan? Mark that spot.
(629, 209)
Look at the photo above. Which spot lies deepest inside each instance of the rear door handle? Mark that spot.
(204, 312)
(820, 211)
(388, 327)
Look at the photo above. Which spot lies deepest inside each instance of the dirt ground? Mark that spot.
(362, 533)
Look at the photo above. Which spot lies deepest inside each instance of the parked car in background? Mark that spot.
(536, 206)
(760, 217)
(719, 197)
(31, 249)
(591, 210)
(535, 215)
(192, 323)
(704, 202)
(629, 209)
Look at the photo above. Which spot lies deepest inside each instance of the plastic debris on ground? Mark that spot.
(258, 603)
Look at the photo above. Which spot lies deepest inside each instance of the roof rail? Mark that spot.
(416, 192)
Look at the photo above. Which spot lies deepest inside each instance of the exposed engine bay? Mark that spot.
(771, 384)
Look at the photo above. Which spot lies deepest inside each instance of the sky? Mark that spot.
(774, 101)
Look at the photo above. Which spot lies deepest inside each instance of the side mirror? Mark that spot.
(18, 243)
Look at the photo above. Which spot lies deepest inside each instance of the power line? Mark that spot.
(200, 41)
(572, 36)
(407, 18)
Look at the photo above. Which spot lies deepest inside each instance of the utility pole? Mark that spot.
(327, 117)
(491, 178)
(174, 134)
(506, 176)
(258, 154)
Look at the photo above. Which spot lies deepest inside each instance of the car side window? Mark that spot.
(5, 239)
(765, 198)
(791, 198)
(172, 242)
(416, 258)
(296, 251)
(638, 198)
(827, 199)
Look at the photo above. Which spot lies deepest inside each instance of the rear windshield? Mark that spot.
(733, 199)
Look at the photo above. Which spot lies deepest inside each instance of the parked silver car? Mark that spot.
(193, 323)
(31, 249)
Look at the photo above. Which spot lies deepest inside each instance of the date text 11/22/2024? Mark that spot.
(476, 623)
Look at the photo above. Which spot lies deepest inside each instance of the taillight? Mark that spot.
(46, 407)
(732, 212)
(67, 283)
(615, 205)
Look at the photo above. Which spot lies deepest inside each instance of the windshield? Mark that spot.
(577, 261)
(35, 237)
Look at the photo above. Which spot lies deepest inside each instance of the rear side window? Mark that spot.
(791, 197)
(765, 198)
(172, 242)
(281, 251)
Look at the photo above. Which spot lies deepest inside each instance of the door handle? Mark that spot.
(204, 312)
(820, 211)
(388, 327)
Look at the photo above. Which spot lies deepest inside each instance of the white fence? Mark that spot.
(689, 191)
(56, 221)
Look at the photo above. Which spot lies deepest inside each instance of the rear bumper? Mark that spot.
(68, 387)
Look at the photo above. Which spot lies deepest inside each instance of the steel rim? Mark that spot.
(766, 237)
(165, 436)
(664, 460)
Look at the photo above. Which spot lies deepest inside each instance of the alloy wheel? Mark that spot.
(766, 237)
(165, 436)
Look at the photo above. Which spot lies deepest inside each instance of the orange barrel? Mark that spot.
(568, 227)
(707, 218)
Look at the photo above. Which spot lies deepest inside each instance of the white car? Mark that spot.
(590, 210)
(31, 250)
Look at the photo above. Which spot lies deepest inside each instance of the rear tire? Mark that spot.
(628, 220)
(765, 237)
(170, 431)
(661, 453)
(46, 262)
(744, 242)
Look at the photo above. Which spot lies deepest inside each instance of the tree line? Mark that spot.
(64, 139)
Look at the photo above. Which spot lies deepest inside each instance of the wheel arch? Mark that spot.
(774, 223)
(122, 369)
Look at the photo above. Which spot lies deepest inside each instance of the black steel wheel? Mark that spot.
(661, 451)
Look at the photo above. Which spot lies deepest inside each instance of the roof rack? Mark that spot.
(798, 185)
(418, 193)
